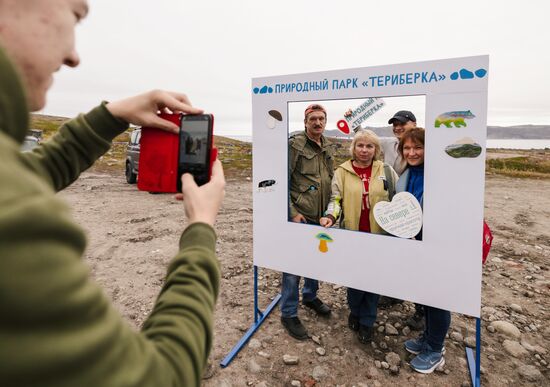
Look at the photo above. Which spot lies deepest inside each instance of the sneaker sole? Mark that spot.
(441, 363)
(443, 351)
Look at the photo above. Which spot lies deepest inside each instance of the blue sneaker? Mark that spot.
(415, 346)
(427, 361)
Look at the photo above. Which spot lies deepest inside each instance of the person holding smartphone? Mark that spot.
(57, 327)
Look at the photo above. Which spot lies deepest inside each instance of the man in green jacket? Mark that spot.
(57, 327)
(310, 170)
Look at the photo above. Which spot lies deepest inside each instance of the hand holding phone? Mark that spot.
(203, 203)
(142, 109)
(195, 147)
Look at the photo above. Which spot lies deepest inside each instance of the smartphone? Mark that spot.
(195, 147)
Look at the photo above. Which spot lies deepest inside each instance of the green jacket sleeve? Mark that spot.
(292, 161)
(59, 329)
(75, 147)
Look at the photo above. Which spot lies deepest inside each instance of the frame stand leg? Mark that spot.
(259, 318)
(474, 364)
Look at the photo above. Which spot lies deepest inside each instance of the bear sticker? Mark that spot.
(457, 118)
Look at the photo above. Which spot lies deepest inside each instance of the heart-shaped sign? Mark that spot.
(401, 217)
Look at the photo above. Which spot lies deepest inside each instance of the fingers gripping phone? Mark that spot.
(195, 147)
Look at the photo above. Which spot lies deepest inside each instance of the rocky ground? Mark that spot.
(132, 236)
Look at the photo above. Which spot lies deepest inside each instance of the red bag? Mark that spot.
(487, 241)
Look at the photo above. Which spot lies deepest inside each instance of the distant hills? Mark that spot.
(518, 132)
(524, 132)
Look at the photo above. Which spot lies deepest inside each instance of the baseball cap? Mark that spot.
(403, 116)
(314, 108)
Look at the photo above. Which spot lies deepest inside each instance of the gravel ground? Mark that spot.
(133, 235)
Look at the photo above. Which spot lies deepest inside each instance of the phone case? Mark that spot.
(158, 160)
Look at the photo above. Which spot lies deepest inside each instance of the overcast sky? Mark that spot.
(211, 49)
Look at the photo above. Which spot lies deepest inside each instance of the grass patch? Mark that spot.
(47, 124)
(236, 156)
(522, 166)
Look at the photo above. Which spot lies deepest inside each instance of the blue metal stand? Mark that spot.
(475, 364)
(259, 318)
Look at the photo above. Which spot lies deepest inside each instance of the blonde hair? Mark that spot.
(370, 136)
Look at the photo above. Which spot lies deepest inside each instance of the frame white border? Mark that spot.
(444, 270)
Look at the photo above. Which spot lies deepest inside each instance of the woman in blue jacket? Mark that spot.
(429, 347)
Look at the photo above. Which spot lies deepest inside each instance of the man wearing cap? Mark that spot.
(401, 121)
(310, 169)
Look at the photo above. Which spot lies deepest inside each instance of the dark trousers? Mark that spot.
(363, 305)
(437, 325)
(290, 293)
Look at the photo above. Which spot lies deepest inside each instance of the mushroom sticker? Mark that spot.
(274, 116)
(323, 240)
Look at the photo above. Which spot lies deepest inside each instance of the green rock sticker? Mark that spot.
(465, 147)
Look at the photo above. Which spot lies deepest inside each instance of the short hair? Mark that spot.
(369, 135)
(315, 107)
(415, 134)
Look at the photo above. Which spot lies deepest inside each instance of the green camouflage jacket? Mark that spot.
(310, 168)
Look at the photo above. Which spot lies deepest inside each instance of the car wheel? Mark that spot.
(131, 177)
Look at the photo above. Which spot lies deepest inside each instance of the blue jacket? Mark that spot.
(402, 185)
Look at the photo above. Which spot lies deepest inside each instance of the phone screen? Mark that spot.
(194, 142)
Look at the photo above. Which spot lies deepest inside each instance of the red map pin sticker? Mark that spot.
(342, 126)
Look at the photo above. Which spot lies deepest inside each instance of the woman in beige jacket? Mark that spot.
(358, 184)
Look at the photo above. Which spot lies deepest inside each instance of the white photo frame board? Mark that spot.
(444, 269)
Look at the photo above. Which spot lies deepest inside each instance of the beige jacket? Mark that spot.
(347, 191)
